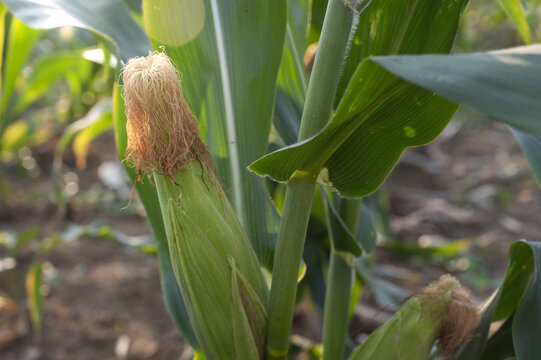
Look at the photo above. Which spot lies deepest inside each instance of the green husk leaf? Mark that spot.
(204, 237)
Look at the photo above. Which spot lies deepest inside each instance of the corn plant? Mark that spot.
(381, 81)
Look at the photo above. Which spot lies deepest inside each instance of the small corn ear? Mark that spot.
(205, 238)
(442, 311)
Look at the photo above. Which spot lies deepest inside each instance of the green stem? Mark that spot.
(338, 295)
(300, 188)
(328, 62)
(337, 298)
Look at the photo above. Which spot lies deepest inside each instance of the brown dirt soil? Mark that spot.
(106, 298)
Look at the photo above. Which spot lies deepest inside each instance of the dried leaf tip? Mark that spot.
(461, 317)
(163, 135)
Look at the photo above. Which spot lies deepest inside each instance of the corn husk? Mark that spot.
(442, 312)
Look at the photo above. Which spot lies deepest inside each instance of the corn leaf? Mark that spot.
(292, 76)
(379, 115)
(500, 345)
(108, 18)
(19, 44)
(229, 54)
(517, 296)
(401, 27)
(504, 84)
(46, 72)
(99, 118)
(515, 11)
(35, 296)
(527, 319)
(531, 147)
(81, 142)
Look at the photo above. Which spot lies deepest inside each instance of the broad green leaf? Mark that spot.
(98, 116)
(317, 15)
(389, 27)
(108, 18)
(515, 11)
(527, 319)
(386, 294)
(366, 232)
(149, 197)
(292, 76)
(81, 143)
(35, 296)
(341, 235)
(46, 71)
(500, 345)
(379, 114)
(287, 117)
(504, 84)
(367, 134)
(19, 45)
(531, 147)
(228, 55)
(510, 296)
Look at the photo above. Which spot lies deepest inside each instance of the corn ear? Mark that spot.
(443, 311)
(217, 270)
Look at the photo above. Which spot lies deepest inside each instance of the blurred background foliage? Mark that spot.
(60, 178)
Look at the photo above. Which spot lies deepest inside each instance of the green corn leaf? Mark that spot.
(229, 54)
(46, 72)
(81, 142)
(401, 27)
(504, 84)
(204, 237)
(500, 345)
(517, 294)
(19, 44)
(342, 238)
(108, 18)
(531, 147)
(35, 296)
(527, 319)
(379, 114)
(515, 11)
(98, 119)
(292, 76)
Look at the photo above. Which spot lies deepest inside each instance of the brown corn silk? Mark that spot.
(461, 317)
(163, 134)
